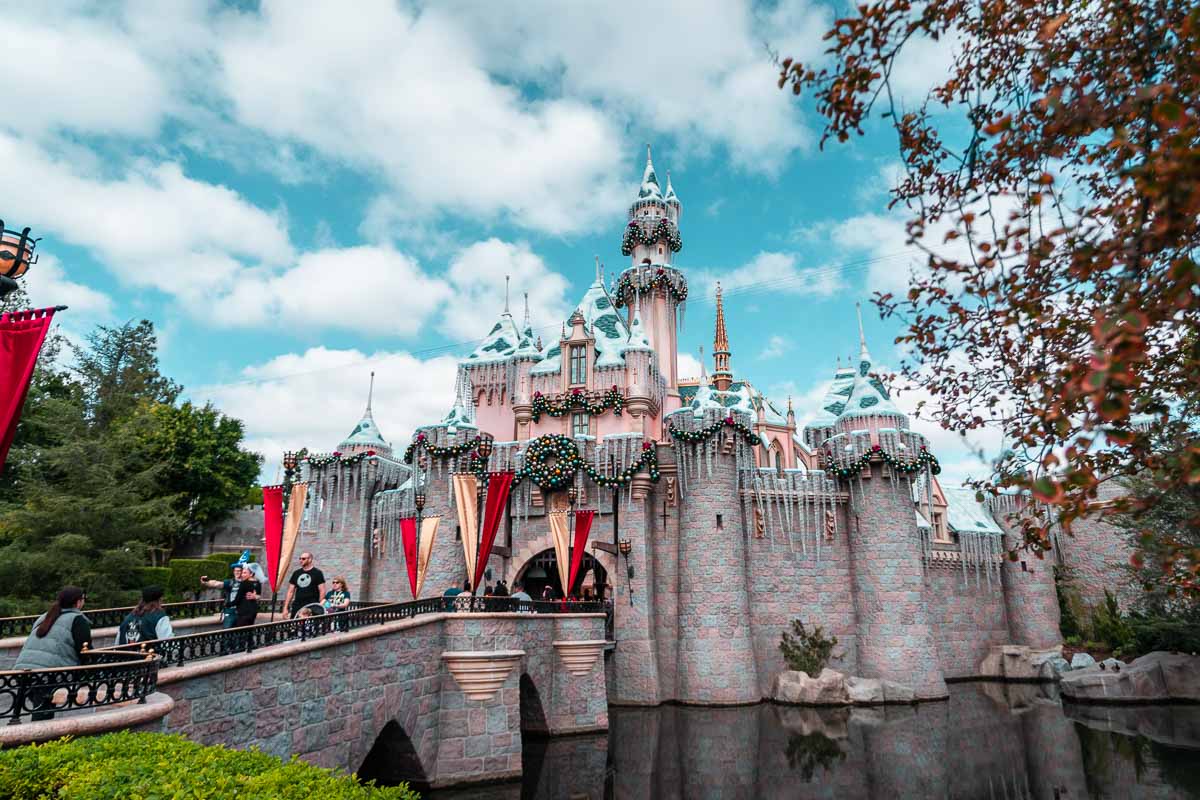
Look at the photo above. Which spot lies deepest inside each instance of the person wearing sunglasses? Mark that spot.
(307, 585)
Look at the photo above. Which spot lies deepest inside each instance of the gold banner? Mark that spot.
(465, 488)
(291, 531)
(560, 531)
(429, 527)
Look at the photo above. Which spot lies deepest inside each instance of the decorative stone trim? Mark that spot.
(480, 674)
(580, 656)
(77, 723)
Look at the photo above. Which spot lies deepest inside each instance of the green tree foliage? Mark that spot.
(105, 465)
(116, 766)
(806, 651)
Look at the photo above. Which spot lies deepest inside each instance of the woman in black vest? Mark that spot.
(147, 621)
(58, 637)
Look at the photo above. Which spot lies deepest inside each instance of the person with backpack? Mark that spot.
(147, 621)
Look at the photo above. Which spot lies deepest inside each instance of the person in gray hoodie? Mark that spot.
(58, 637)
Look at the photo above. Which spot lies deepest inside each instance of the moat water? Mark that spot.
(989, 740)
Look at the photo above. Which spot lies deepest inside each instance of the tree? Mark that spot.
(119, 369)
(1053, 178)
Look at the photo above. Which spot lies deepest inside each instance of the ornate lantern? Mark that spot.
(16, 256)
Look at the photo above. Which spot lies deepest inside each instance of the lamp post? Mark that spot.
(16, 256)
(626, 547)
(419, 504)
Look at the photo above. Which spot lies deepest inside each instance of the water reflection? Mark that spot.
(989, 740)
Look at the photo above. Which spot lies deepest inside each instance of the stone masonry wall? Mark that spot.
(328, 699)
(787, 583)
(1098, 556)
(967, 618)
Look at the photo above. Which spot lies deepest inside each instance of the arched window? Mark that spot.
(775, 457)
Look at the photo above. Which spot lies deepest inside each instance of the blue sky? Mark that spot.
(298, 193)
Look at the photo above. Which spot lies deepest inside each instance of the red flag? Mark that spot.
(21, 336)
(408, 538)
(583, 526)
(273, 531)
(499, 484)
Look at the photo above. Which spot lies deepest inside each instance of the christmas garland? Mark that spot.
(660, 280)
(336, 457)
(577, 401)
(567, 462)
(422, 443)
(708, 431)
(634, 235)
(924, 457)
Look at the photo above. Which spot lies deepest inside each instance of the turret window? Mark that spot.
(578, 366)
(581, 425)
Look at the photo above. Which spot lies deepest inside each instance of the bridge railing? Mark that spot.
(104, 678)
(180, 650)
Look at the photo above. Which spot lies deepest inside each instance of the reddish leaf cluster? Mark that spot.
(1053, 175)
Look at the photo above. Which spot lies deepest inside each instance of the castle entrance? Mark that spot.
(542, 570)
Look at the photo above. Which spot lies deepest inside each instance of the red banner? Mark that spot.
(408, 538)
(583, 526)
(21, 336)
(273, 531)
(499, 484)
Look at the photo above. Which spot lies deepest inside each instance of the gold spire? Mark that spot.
(722, 377)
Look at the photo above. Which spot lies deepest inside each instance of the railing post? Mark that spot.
(19, 703)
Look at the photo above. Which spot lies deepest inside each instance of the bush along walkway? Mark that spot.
(140, 766)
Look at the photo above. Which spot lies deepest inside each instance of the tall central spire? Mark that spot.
(370, 392)
(722, 376)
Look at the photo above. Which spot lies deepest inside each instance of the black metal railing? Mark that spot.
(181, 650)
(103, 678)
(112, 617)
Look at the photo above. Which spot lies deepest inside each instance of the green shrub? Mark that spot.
(1110, 626)
(1068, 603)
(185, 576)
(804, 651)
(154, 576)
(116, 766)
(1164, 633)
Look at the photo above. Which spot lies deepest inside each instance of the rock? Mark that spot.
(864, 690)
(1019, 662)
(1156, 676)
(1055, 667)
(897, 693)
(1115, 664)
(827, 689)
(1082, 661)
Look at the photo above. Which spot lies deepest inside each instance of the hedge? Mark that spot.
(185, 576)
(139, 766)
(155, 576)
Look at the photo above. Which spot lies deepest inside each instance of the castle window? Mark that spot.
(578, 365)
(580, 425)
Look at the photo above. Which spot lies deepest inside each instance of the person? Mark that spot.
(449, 596)
(501, 589)
(248, 593)
(519, 593)
(337, 600)
(307, 585)
(547, 593)
(57, 639)
(147, 621)
(462, 600)
(230, 589)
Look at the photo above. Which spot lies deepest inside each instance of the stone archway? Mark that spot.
(393, 759)
(532, 546)
(541, 570)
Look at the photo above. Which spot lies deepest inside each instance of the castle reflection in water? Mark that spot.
(988, 741)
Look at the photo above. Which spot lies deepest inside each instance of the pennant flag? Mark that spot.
(465, 488)
(429, 528)
(560, 532)
(499, 484)
(273, 530)
(291, 532)
(408, 537)
(21, 336)
(583, 526)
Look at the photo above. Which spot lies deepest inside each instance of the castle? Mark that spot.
(717, 520)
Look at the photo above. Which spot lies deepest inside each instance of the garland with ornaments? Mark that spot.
(708, 431)
(566, 462)
(577, 400)
(924, 459)
(422, 443)
(635, 235)
(336, 457)
(661, 279)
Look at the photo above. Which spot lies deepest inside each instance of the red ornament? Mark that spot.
(420, 437)
(876, 448)
(577, 391)
(370, 452)
(646, 445)
(729, 420)
(337, 453)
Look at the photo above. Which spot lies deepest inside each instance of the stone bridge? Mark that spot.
(388, 701)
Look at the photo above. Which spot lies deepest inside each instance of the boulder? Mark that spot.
(864, 690)
(1018, 662)
(799, 688)
(898, 693)
(1082, 661)
(1115, 664)
(1154, 677)
(1057, 666)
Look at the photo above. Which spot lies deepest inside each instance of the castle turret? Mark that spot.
(722, 376)
(366, 436)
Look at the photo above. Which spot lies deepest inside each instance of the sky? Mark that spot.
(300, 193)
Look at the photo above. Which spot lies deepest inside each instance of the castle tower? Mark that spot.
(895, 641)
(722, 376)
(366, 436)
(650, 240)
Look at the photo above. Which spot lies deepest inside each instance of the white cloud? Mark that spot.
(152, 226)
(477, 277)
(776, 273)
(275, 398)
(47, 285)
(775, 347)
(689, 366)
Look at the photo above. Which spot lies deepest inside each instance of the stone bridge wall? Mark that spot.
(327, 700)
